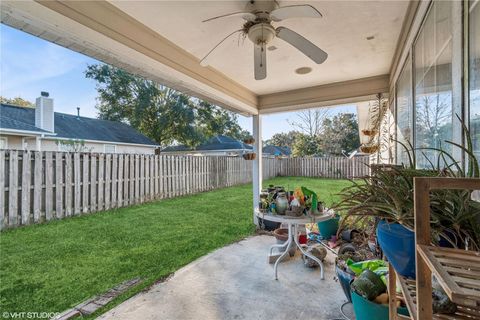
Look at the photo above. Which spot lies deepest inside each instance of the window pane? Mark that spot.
(474, 75)
(110, 148)
(404, 111)
(433, 91)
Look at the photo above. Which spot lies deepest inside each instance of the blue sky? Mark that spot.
(30, 65)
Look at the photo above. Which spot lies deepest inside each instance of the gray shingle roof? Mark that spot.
(277, 151)
(72, 127)
(215, 143)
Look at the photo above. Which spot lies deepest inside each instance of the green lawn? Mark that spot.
(51, 267)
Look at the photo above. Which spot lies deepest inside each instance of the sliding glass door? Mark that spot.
(404, 134)
(433, 84)
(474, 74)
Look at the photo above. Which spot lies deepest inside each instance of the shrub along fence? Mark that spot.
(41, 186)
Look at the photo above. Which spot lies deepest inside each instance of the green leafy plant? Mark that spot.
(388, 194)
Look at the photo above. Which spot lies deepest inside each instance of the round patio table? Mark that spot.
(293, 223)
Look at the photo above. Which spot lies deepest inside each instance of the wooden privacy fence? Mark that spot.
(41, 186)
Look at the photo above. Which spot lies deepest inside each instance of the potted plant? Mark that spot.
(386, 198)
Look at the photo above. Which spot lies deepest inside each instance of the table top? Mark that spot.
(327, 215)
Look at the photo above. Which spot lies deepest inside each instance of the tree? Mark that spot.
(340, 134)
(162, 114)
(283, 139)
(310, 121)
(305, 145)
(17, 101)
(213, 121)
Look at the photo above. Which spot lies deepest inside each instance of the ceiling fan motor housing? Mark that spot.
(261, 33)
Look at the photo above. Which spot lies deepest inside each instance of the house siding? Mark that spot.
(15, 142)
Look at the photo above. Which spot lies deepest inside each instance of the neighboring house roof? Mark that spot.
(277, 151)
(213, 144)
(72, 127)
(223, 143)
(12, 124)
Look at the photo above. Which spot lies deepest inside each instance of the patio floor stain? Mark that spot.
(236, 282)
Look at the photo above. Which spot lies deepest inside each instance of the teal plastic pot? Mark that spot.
(369, 310)
(328, 228)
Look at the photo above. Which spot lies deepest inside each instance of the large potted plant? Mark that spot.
(386, 198)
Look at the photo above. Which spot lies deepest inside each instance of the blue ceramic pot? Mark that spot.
(398, 245)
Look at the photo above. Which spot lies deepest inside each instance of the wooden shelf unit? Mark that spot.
(409, 296)
(457, 271)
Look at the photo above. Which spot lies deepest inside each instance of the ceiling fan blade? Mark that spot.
(302, 44)
(295, 11)
(245, 15)
(260, 61)
(204, 60)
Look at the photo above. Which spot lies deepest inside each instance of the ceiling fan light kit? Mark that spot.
(258, 27)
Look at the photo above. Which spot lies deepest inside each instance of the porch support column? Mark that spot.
(257, 163)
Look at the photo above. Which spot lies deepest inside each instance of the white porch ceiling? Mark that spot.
(164, 41)
(342, 33)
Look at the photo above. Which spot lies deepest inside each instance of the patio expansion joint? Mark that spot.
(91, 305)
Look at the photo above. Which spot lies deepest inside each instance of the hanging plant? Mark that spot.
(369, 148)
(370, 132)
(249, 156)
(249, 141)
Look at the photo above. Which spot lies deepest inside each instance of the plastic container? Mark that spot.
(328, 228)
(398, 245)
(345, 279)
(369, 310)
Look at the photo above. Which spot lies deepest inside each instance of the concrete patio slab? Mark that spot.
(236, 282)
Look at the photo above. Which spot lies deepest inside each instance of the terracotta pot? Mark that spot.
(281, 235)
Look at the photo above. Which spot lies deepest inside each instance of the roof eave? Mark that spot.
(25, 132)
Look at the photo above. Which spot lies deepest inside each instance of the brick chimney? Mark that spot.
(44, 118)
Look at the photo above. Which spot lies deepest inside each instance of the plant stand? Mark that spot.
(457, 271)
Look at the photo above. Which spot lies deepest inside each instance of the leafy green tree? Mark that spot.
(340, 133)
(283, 139)
(212, 121)
(306, 145)
(162, 114)
(17, 101)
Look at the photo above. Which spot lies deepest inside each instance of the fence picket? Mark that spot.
(120, 182)
(59, 185)
(68, 184)
(85, 182)
(100, 186)
(37, 187)
(3, 217)
(93, 183)
(48, 186)
(26, 181)
(76, 183)
(13, 189)
(108, 180)
(113, 201)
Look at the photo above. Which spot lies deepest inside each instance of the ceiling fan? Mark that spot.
(258, 16)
